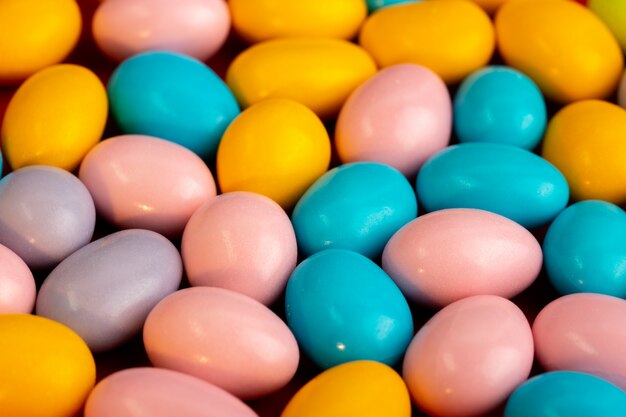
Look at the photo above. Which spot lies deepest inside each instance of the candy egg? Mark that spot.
(399, 117)
(146, 183)
(359, 388)
(47, 370)
(54, 118)
(469, 357)
(174, 97)
(451, 254)
(253, 152)
(342, 307)
(223, 337)
(460, 37)
(585, 141)
(260, 20)
(565, 393)
(35, 34)
(105, 290)
(46, 213)
(374, 5)
(571, 54)
(198, 28)
(17, 285)
(242, 242)
(498, 104)
(161, 393)
(583, 332)
(341, 210)
(613, 14)
(319, 73)
(503, 179)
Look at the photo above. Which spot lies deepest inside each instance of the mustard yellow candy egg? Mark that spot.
(319, 73)
(613, 13)
(585, 141)
(566, 49)
(361, 388)
(55, 117)
(35, 34)
(260, 20)
(46, 370)
(277, 148)
(452, 37)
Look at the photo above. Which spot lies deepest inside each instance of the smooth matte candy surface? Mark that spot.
(613, 14)
(17, 285)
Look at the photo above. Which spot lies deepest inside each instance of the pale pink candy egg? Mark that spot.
(243, 242)
(469, 357)
(451, 254)
(142, 182)
(584, 332)
(158, 392)
(17, 285)
(400, 117)
(223, 337)
(197, 28)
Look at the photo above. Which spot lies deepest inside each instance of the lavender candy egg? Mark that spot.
(105, 290)
(46, 213)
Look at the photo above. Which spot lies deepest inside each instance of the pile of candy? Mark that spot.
(249, 227)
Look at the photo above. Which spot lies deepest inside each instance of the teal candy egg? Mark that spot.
(356, 206)
(374, 5)
(503, 179)
(566, 394)
(585, 249)
(498, 104)
(173, 97)
(342, 307)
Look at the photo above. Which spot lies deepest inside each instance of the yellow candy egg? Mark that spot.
(613, 13)
(55, 117)
(361, 388)
(260, 20)
(452, 38)
(566, 49)
(46, 370)
(586, 142)
(277, 148)
(35, 34)
(319, 73)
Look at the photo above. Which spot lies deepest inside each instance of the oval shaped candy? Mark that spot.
(571, 55)
(451, 254)
(374, 5)
(399, 117)
(342, 307)
(223, 337)
(174, 97)
(47, 370)
(359, 388)
(503, 179)
(469, 357)
(242, 242)
(319, 73)
(54, 118)
(47, 214)
(161, 393)
(17, 285)
(613, 14)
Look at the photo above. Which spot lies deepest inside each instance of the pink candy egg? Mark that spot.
(399, 117)
(243, 242)
(583, 332)
(146, 183)
(198, 28)
(161, 393)
(469, 357)
(450, 254)
(223, 337)
(17, 285)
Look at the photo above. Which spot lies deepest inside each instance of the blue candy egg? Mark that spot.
(343, 307)
(566, 394)
(503, 179)
(356, 206)
(374, 5)
(174, 97)
(499, 105)
(585, 249)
